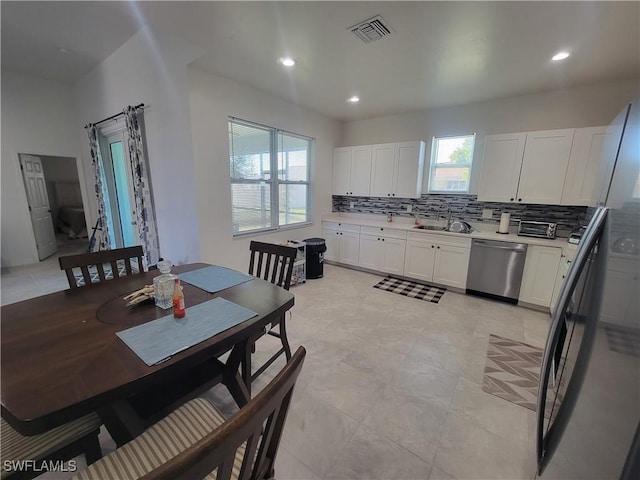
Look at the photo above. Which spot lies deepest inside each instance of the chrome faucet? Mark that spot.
(448, 205)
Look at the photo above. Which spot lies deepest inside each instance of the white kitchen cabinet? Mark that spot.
(451, 265)
(539, 277)
(592, 156)
(341, 171)
(563, 269)
(352, 171)
(382, 165)
(544, 166)
(527, 167)
(440, 259)
(342, 241)
(501, 167)
(397, 170)
(419, 258)
(382, 249)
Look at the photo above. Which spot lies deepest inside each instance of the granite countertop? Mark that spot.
(486, 231)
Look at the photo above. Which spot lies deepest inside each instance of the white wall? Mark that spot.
(213, 99)
(37, 118)
(576, 107)
(152, 69)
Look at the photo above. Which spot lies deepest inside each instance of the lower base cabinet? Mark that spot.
(563, 269)
(382, 249)
(540, 274)
(437, 258)
(451, 266)
(343, 243)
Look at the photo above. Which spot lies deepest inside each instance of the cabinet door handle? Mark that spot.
(383, 239)
(432, 246)
(519, 199)
(512, 199)
(438, 246)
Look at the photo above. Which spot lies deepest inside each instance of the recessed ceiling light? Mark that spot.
(560, 56)
(64, 50)
(287, 61)
(353, 99)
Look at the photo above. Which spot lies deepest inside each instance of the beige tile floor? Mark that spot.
(391, 386)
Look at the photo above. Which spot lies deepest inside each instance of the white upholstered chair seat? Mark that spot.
(16, 446)
(160, 443)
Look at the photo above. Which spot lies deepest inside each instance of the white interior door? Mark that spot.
(39, 209)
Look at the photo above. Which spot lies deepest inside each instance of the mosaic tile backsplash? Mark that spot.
(465, 207)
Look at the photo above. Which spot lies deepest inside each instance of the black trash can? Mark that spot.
(315, 257)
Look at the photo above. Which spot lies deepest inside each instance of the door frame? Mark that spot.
(26, 215)
(112, 130)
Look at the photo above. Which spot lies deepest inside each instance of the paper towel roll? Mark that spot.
(504, 223)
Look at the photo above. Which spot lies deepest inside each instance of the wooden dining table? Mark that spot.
(61, 358)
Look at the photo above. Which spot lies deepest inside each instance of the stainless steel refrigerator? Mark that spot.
(589, 396)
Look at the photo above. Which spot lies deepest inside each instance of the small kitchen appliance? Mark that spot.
(576, 235)
(537, 229)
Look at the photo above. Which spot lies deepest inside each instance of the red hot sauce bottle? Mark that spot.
(178, 300)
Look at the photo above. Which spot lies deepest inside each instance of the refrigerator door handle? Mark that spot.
(565, 298)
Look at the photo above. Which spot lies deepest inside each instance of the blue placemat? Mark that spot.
(158, 340)
(214, 278)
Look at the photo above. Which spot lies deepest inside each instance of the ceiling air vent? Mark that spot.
(371, 30)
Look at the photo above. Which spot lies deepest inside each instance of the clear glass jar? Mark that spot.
(163, 285)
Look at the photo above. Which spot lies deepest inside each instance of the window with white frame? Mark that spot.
(451, 159)
(270, 181)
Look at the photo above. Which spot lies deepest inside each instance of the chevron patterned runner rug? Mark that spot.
(512, 371)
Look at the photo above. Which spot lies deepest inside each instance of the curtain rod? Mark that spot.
(114, 116)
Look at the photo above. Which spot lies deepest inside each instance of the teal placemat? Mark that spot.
(214, 278)
(158, 340)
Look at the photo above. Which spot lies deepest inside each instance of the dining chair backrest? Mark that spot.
(242, 447)
(92, 265)
(272, 262)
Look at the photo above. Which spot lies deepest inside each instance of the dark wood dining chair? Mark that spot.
(273, 263)
(91, 266)
(61, 443)
(195, 441)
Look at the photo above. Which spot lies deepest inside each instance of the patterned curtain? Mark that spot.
(146, 222)
(101, 235)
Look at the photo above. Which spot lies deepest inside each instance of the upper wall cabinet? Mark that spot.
(590, 164)
(352, 171)
(501, 167)
(544, 166)
(397, 169)
(525, 167)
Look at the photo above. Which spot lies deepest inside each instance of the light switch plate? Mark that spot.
(487, 213)
(409, 208)
(351, 205)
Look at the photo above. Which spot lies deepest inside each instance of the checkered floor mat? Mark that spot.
(411, 289)
(623, 340)
(108, 273)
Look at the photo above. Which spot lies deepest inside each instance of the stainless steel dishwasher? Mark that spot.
(495, 269)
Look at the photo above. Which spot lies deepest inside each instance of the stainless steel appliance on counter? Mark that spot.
(537, 229)
(588, 412)
(495, 269)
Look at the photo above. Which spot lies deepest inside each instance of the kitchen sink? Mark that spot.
(454, 227)
(431, 227)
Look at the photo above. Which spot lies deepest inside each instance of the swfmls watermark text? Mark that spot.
(40, 466)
